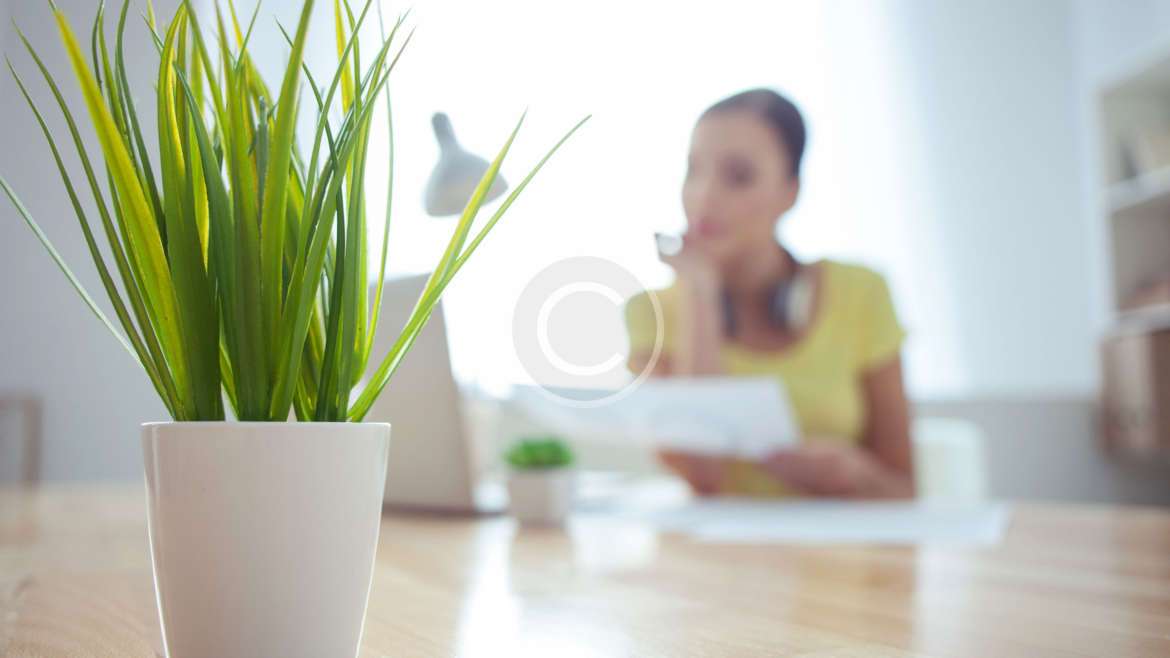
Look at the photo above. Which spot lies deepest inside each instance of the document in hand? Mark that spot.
(744, 417)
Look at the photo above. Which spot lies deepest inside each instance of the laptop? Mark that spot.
(432, 460)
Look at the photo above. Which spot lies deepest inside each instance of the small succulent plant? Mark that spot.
(539, 453)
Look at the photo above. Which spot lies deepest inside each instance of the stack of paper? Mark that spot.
(832, 522)
(742, 417)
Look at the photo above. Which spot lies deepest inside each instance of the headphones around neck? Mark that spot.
(789, 302)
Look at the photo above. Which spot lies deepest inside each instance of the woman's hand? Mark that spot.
(690, 262)
(836, 470)
(820, 469)
(704, 473)
(698, 317)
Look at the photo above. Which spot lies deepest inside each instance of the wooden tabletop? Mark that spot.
(1067, 581)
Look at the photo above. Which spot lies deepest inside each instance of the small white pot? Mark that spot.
(542, 496)
(263, 535)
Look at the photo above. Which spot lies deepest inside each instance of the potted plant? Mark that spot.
(236, 268)
(542, 482)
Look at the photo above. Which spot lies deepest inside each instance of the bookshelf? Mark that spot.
(1134, 111)
(1134, 107)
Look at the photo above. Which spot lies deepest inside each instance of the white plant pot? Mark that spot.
(263, 535)
(542, 497)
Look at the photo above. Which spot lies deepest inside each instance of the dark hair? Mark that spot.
(778, 112)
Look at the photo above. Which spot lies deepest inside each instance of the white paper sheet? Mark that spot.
(831, 522)
(745, 417)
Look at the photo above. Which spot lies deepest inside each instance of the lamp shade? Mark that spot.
(456, 174)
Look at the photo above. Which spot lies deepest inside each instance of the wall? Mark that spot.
(985, 246)
(1111, 33)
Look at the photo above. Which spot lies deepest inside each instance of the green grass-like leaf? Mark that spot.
(239, 269)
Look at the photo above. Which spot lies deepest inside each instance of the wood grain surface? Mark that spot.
(75, 582)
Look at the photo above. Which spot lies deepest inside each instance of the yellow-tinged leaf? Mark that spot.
(272, 214)
(342, 39)
(145, 245)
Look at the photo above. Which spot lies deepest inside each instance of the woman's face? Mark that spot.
(738, 184)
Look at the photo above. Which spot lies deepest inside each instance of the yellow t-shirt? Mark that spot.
(854, 330)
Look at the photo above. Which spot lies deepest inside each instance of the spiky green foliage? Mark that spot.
(540, 452)
(239, 269)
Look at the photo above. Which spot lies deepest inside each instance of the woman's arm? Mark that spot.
(698, 320)
(698, 343)
(881, 467)
(887, 435)
(698, 339)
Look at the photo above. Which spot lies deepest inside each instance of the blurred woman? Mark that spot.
(743, 305)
